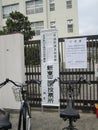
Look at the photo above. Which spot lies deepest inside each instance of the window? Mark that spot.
(70, 25)
(52, 5)
(52, 24)
(33, 7)
(37, 26)
(69, 4)
(8, 9)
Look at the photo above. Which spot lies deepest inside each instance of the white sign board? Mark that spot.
(49, 67)
(76, 53)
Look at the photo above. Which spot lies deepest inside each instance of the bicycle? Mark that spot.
(5, 123)
(69, 112)
(24, 122)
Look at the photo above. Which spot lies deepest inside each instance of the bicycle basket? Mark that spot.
(17, 93)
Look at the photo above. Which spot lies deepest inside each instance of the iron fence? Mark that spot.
(87, 96)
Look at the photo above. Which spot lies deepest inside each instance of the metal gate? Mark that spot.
(87, 97)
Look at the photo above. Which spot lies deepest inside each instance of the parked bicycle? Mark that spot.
(69, 112)
(24, 122)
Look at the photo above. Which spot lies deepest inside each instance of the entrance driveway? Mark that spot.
(50, 120)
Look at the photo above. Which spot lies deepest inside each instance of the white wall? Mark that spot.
(0, 14)
(11, 66)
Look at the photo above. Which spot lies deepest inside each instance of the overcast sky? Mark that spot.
(88, 17)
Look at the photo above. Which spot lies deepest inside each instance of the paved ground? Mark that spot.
(50, 120)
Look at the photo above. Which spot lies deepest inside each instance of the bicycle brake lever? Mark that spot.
(85, 80)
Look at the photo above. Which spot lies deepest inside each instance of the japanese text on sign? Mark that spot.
(76, 53)
(50, 67)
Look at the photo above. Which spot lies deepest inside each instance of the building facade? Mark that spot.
(45, 14)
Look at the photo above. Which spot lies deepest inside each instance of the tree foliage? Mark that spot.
(17, 22)
(32, 55)
(2, 32)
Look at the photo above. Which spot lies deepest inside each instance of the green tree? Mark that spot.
(2, 32)
(17, 22)
(32, 55)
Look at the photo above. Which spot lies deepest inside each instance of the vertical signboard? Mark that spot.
(76, 53)
(49, 67)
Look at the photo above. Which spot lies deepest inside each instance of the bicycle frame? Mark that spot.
(25, 114)
(25, 111)
(69, 112)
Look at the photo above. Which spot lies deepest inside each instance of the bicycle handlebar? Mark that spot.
(85, 80)
(53, 81)
(81, 79)
(33, 81)
(28, 82)
(4, 83)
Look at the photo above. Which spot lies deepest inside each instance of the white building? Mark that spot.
(44, 14)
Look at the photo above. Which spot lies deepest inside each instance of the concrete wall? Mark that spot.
(11, 66)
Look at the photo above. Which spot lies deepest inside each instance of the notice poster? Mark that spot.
(49, 67)
(76, 53)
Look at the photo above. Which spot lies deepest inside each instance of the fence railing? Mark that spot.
(87, 97)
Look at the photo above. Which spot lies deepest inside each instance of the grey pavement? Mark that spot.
(50, 120)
